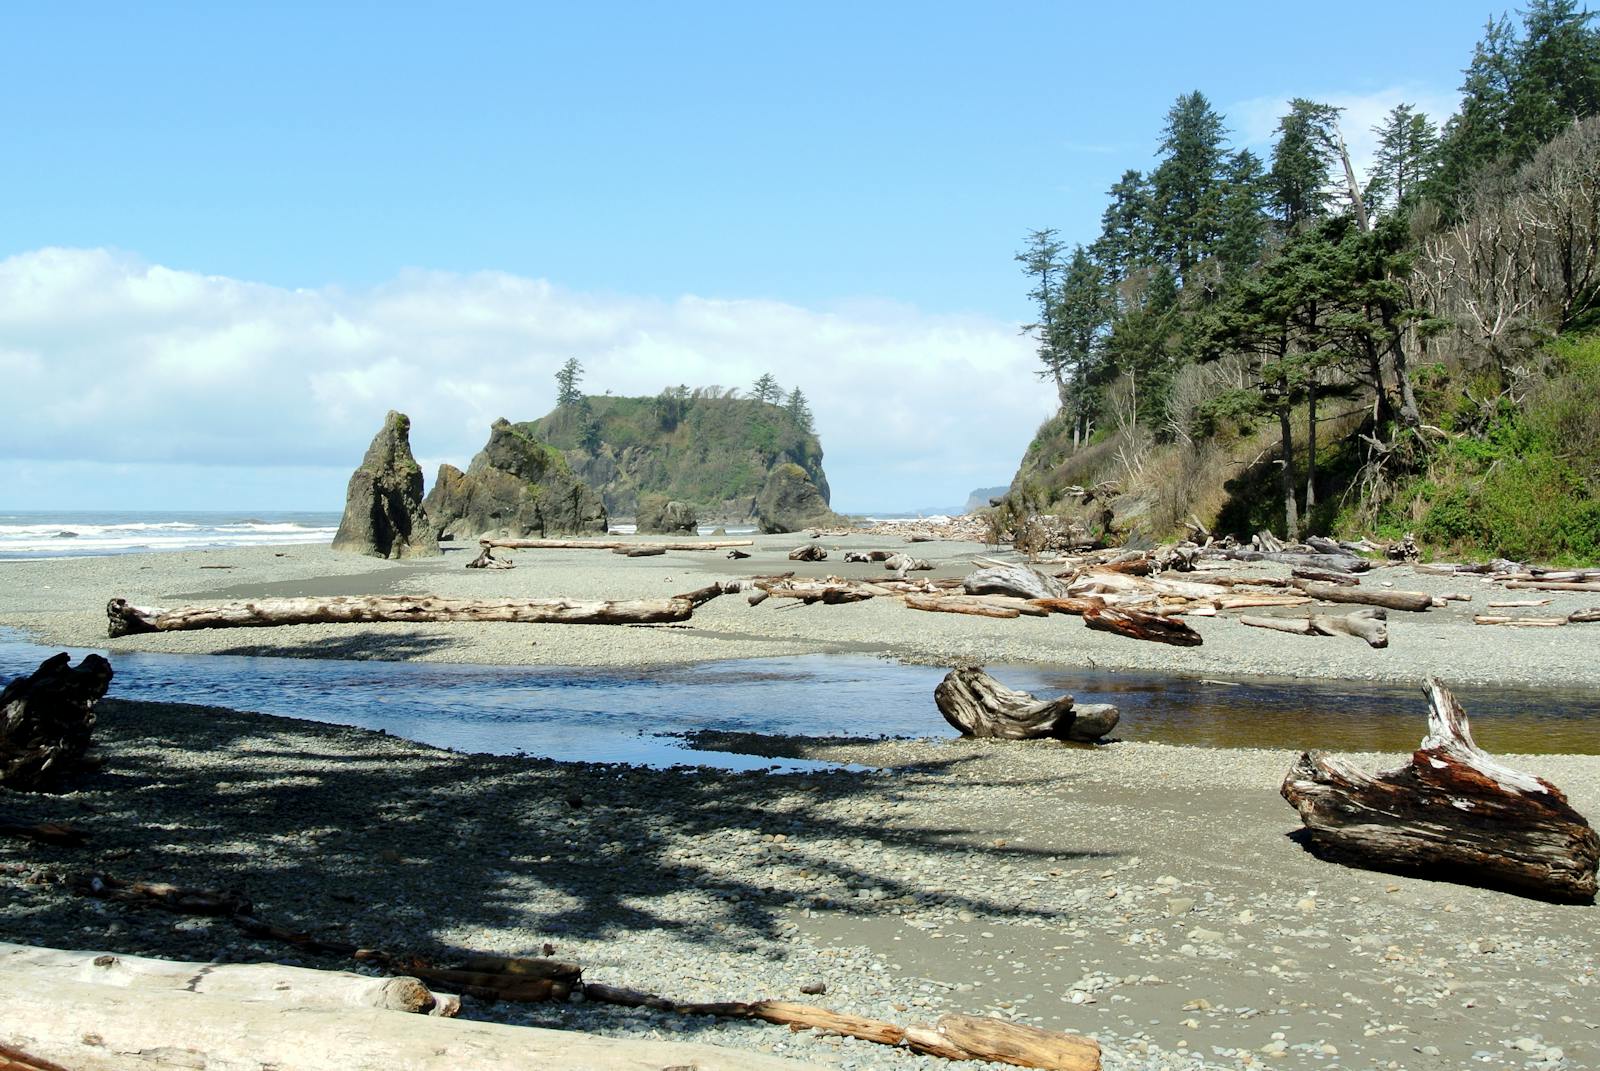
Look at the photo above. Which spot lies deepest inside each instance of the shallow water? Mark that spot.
(608, 715)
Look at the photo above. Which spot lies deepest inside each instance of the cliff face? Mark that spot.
(714, 454)
(514, 487)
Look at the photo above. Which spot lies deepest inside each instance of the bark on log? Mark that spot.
(238, 981)
(1018, 580)
(46, 720)
(92, 1028)
(1369, 625)
(1452, 813)
(1076, 606)
(1138, 625)
(955, 604)
(611, 544)
(125, 619)
(954, 1037)
(1411, 601)
(976, 704)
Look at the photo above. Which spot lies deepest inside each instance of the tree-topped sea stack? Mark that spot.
(790, 502)
(383, 514)
(516, 486)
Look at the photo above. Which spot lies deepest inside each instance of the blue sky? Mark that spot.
(248, 197)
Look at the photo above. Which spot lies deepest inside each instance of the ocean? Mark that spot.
(91, 533)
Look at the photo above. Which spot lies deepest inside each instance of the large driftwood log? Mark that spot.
(1413, 601)
(86, 1027)
(46, 720)
(240, 981)
(125, 619)
(954, 1037)
(1337, 562)
(976, 704)
(1018, 580)
(611, 544)
(1370, 625)
(1453, 813)
(1138, 625)
(808, 552)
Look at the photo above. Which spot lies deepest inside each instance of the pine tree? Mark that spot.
(1242, 219)
(1477, 134)
(1302, 162)
(767, 389)
(567, 380)
(1126, 241)
(1185, 186)
(1407, 158)
(1041, 260)
(1083, 314)
(1556, 75)
(800, 412)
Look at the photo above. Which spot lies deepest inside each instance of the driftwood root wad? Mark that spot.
(978, 705)
(47, 719)
(1452, 813)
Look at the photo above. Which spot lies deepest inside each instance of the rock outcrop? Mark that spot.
(790, 502)
(659, 515)
(383, 511)
(515, 487)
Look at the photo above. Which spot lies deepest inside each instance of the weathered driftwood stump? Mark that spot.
(1018, 580)
(811, 552)
(978, 705)
(46, 719)
(1452, 813)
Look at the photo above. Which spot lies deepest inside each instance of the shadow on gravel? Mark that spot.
(365, 646)
(360, 837)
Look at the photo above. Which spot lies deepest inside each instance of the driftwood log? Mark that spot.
(487, 560)
(976, 704)
(954, 1037)
(1452, 813)
(1413, 601)
(1139, 625)
(125, 619)
(46, 720)
(1018, 580)
(242, 981)
(611, 544)
(641, 551)
(1370, 625)
(809, 552)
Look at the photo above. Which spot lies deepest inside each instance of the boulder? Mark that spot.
(660, 516)
(790, 502)
(383, 514)
(515, 487)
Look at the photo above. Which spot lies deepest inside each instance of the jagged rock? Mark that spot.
(659, 516)
(790, 502)
(515, 487)
(383, 514)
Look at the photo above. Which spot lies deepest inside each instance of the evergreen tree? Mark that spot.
(1126, 240)
(1041, 260)
(1242, 218)
(1145, 343)
(767, 389)
(1083, 313)
(567, 380)
(1186, 185)
(1407, 158)
(1477, 134)
(800, 412)
(1302, 162)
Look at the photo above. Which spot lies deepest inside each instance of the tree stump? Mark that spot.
(1452, 813)
(46, 719)
(978, 705)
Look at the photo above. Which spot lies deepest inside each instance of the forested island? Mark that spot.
(1277, 343)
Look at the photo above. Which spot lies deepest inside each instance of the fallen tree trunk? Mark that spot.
(1018, 580)
(125, 619)
(1554, 585)
(640, 551)
(1451, 813)
(977, 606)
(1139, 625)
(1369, 625)
(954, 1037)
(46, 719)
(1337, 562)
(976, 704)
(86, 1027)
(1325, 576)
(240, 981)
(1412, 601)
(611, 544)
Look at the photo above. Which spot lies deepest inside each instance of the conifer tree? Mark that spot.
(1041, 261)
(1083, 313)
(1126, 240)
(1302, 162)
(1185, 186)
(767, 389)
(567, 379)
(1242, 218)
(1407, 158)
(800, 411)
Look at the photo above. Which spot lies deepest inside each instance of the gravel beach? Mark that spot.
(1146, 894)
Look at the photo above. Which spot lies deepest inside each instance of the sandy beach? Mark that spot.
(1146, 894)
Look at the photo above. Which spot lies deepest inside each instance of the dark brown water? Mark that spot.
(628, 715)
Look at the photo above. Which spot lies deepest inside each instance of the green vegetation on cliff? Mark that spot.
(705, 447)
(1278, 344)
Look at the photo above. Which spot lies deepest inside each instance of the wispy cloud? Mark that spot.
(124, 361)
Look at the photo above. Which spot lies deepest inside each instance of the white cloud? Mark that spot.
(111, 360)
(1255, 121)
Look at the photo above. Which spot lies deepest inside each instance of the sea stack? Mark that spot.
(791, 501)
(383, 514)
(515, 487)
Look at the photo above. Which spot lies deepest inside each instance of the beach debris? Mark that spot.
(1370, 625)
(1005, 578)
(125, 619)
(1139, 625)
(808, 552)
(487, 560)
(905, 563)
(611, 544)
(640, 551)
(1411, 601)
(46, 720)
(736, 554)
(977, 705)
(1452, 813)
